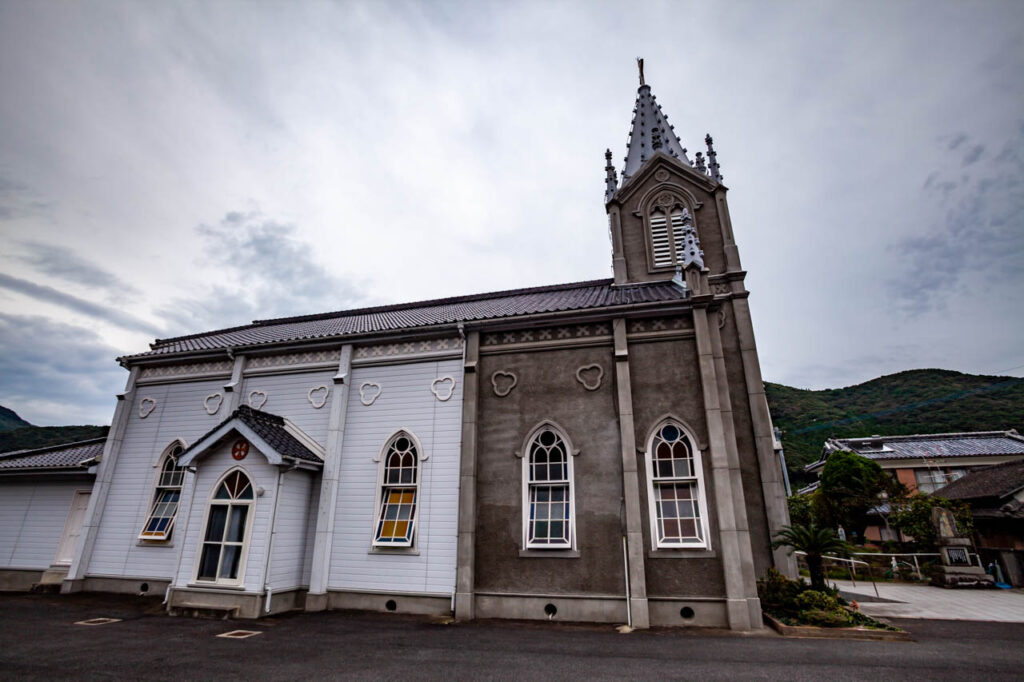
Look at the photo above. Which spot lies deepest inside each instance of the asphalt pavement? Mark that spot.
(39, 639)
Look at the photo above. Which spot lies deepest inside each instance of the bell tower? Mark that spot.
(667, 213)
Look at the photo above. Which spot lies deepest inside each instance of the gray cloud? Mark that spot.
(17, 200)
(267, 271)
(95, 310)
(56, 373)
(977, 231)
(60, 261)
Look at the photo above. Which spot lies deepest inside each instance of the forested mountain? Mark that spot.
(915, 401)
(18, 434)
(9, 419)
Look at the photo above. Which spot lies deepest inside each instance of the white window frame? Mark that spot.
(697, 479)
(525, 453)
(169, 454)
(383, 486)
(249, 522)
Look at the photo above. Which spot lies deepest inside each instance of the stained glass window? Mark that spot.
(675, 489)
(396, 517)
(223, 547)
(164, 509)
(548, 491)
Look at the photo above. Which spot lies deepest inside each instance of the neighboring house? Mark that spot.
(43, 497)
(996, 496)
(593, 451)
(925, 462)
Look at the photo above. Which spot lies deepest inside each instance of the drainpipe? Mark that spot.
(625, 560)
(273, 532)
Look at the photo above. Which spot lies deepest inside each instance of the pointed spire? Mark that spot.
(650, 131)
(610, 179)
(712, 158)
(699, 163)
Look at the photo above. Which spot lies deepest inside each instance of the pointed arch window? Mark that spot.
(548, 503)
(166, 496)
(669, 225)
(675, 489)
(399, 492)
(222, 556)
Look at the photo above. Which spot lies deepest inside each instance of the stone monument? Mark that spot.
(956, 569)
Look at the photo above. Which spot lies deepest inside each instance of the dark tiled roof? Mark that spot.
(929, 446)
(271, 428)
(994, 481)
(52, 458)
(382, 319)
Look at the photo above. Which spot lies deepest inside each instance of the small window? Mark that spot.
(675, 489)
(223, 551)
(548, 495)
(669, 226)
(164, 509)
(399, 492)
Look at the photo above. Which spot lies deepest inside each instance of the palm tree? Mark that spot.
(815, 541)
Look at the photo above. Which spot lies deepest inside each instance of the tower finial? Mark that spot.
(712, 159)
(640, 65)
(611, 181)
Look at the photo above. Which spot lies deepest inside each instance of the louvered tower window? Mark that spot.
(668, 234)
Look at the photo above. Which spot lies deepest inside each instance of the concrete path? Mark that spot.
(925, 601)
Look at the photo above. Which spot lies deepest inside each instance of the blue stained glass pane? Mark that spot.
(669, 432)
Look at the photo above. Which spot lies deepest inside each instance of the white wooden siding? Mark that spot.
(210, 470)
(405, 402)
(179, 413)
(288, 396)
(292, 548)
(32, 516)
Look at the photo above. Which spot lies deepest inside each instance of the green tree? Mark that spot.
(815, 541)
(912, 515)
(800, 509)
(851, 486)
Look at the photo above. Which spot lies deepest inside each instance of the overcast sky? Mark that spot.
(173, 167)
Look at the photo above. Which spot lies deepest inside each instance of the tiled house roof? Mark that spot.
(65, 457)
(928, 446)
(270, 427)
(424, 314)
(994, 481)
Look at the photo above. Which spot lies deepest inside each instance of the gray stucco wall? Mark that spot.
(666, 380)
(547, 389)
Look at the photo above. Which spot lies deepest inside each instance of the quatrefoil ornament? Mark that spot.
(317, 396)
(146, 407)
(503, 382)
(369, 391)
(213, 402)
(443, 388)
(590, 376)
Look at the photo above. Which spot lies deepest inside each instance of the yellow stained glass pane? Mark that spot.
(407, 497)
(401, 528)
(394, 496)
(388, 530)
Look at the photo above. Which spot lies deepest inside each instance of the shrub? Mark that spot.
(826, 618)
(778, 593)
(812, 599)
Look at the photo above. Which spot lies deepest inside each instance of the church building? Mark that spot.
(595, 451)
